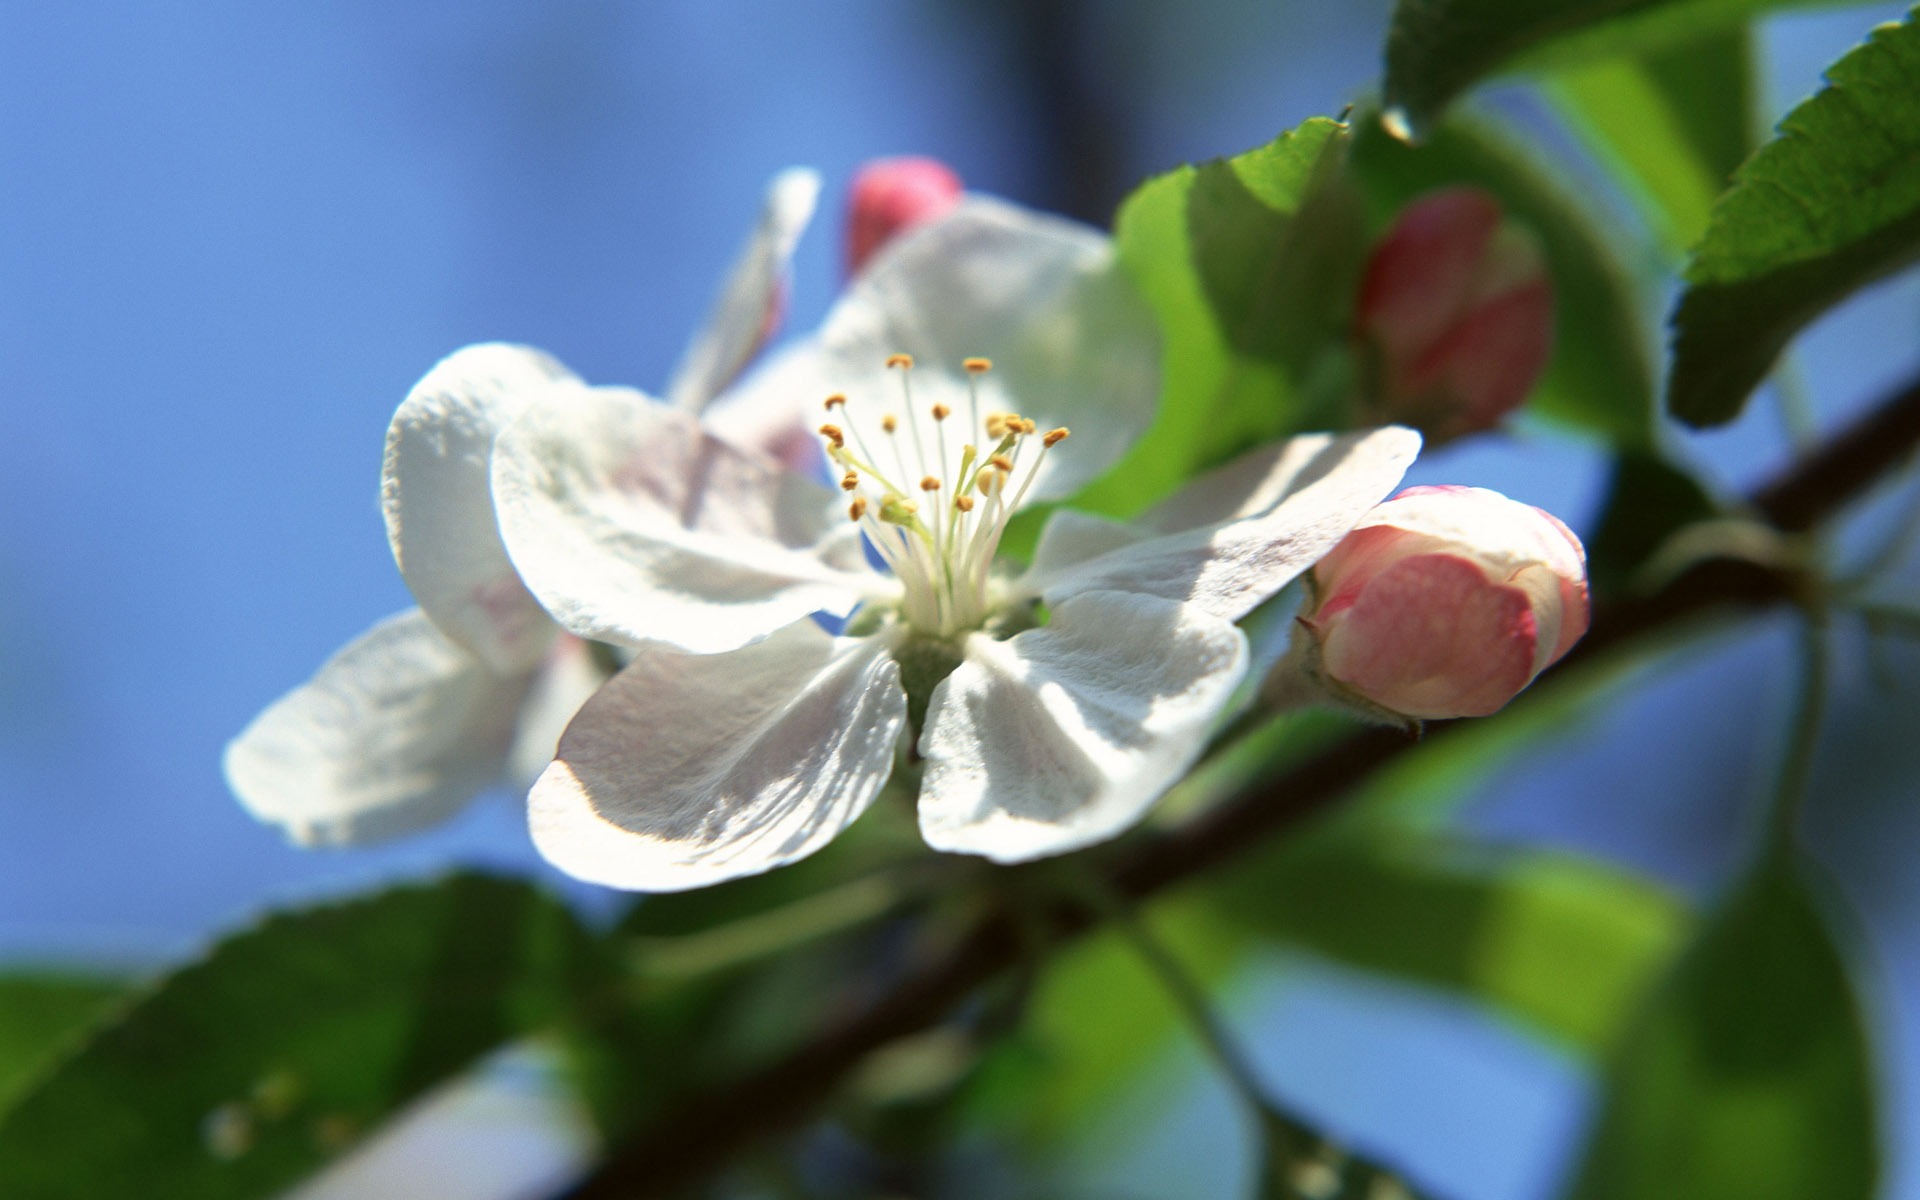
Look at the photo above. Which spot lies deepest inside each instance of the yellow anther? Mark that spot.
(898, 510)
(836, 401)
(903, 361)
(1021, 425)
(976, 366)
(996, 424)
(941, 412)
(849, 481)
(833, 434)
(1001, 461)
(858, 508)
(963, 503)
(1055, 436)
(929, 484)
(889, 422)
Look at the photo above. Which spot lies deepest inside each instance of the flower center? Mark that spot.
(933, 491)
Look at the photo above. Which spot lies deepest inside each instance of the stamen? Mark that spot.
(1001, 461)
(941, 412)
(889, 422)
(858, 508)
(963, 503)
(849, 481)
(996, 424)
(834, 434)
(929, 484)
(1055, 437)
(836, 401)
(903, 361)
(976, 366)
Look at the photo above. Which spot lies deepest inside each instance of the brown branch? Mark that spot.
(706, 1129)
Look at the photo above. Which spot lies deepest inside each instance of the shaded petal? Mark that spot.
(633, 524)
(1274, 514)
(439, 509)
(565, 678)
(1071, 341)
(750, 303)
(686, 770)
(776, 408)
(1064, 735)
(396, 732)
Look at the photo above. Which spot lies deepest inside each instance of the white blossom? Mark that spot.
(1043, 709)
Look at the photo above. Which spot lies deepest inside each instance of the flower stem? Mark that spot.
(1803, 738)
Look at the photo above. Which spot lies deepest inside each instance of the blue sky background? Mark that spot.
(232, 235)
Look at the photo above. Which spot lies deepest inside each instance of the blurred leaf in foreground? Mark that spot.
(1749, 1077)
(41, 1014)
(245, 1072)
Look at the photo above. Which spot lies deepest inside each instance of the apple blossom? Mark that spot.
(1443, 602)
(1454, 316)
(412, 719)
(1045, 709)
(892, 195)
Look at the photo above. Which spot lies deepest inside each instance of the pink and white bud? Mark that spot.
(892, 195)
(1455, 315)
(1444, 602)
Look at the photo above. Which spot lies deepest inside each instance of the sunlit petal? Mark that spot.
(687, 770)
(1064, 735)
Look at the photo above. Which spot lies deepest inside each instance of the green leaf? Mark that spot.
(1057, 1074)
(247, 1071)
(1249, 263)
(1828, 206)
(1437, 49)
(1749, 1078)
(1599, 379)
(1564, 944)
(40, 1015)
(1673, 124)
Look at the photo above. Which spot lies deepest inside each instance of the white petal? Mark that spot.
(632, 524)
(1274, 523)
(439, 509)
(686, 770)
(1066, 734)
(749, 305)
(776, 408)
(1071, 341)
(396, 732)
(561, 684)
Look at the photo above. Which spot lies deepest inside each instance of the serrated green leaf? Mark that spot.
(1828, 206)
(1599, 379)
(245, 1072)
(1674, 124)
(1249, 264)
(1437, 49)
(1749, 1078)
(40, 1014)
(1564, 944)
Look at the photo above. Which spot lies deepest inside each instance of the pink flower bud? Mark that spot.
(1455, 315)
(891, 196)
(1445, 602)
